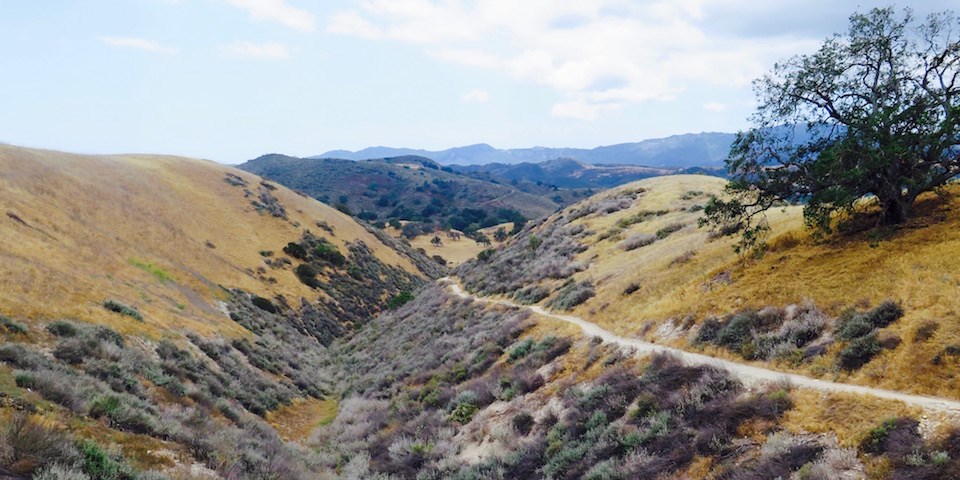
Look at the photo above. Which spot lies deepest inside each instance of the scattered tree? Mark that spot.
(872, 113)
(500, 235)
(481, 239)
(436, 242)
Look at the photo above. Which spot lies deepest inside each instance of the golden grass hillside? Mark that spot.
(162, 234)
(456, 248)
(663, 289)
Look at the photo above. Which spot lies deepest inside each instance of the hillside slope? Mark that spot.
(402, 188)
(565, 173)
(161, 233)
(162, 313)
(877, 308)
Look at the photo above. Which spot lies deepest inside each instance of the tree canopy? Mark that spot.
(874, 113)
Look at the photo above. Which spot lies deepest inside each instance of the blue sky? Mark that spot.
(229, 80)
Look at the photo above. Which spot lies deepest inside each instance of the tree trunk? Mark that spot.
(896, 209)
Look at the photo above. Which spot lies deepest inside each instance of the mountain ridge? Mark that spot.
(705, 149)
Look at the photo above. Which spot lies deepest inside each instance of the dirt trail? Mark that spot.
(747, 373)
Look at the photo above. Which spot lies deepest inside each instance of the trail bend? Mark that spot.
(749, 374)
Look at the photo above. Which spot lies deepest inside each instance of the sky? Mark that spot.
(229, 80)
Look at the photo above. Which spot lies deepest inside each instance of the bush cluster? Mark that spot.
(860, 330)
(768, 334)
(571, 295)
(12, 327)
(123, 309)
(637, 240)
(516, 265)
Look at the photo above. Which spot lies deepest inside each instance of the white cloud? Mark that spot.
(476, 95)
(599, 55)
(715, 107)
(277, 11)
(269, 51)
(582, 109)
(138, 44)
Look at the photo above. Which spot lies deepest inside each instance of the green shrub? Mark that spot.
(855, 327)
(534, 242)
(104, 406)
(646, 406)
(115, 306)
(77, 349)
(884, 314)
(639, 217)
(100, 465)
(873, 442)
(738, 330)
(329, 253)
(859, 352)
(54, 385)
(295, 250)
(708, 331)
(571, 295)
(667, 230)
(123, 416)
(62, 328)
(532, 294)
(399, 300)
(464, 412)
(307, 275)
(264, 304)
(521, 350)
(485, 255)
(11, 326)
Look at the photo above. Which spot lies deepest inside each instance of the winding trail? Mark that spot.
(747, 373)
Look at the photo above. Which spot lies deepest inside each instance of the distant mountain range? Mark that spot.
(676, 152)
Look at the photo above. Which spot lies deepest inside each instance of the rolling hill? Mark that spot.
(148, 300)
(404, 188)
(634, 260)
(568, 173)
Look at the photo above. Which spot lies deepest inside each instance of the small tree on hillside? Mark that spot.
(500, 235)
(874, 112)
(436, 242)
(482, 239)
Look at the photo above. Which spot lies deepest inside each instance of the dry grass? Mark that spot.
(664, 283)
(916, 265)
(454, 251)
(297, 421)
(72, 223)
(849, 416)
(143, 451)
